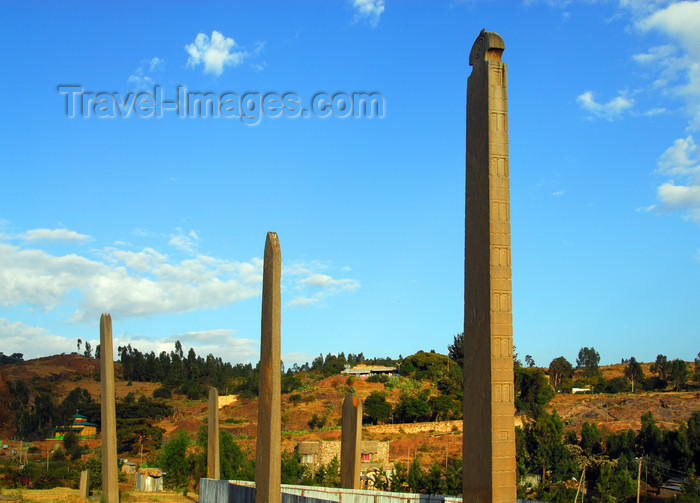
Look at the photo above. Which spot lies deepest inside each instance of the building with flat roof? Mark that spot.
(364, 371)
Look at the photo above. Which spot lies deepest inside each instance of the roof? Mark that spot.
(367, 369)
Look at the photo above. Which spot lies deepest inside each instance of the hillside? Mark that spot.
(62, 373)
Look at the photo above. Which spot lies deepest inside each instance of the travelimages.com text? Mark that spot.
(249, 107)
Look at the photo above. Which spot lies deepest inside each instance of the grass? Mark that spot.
(65, 495)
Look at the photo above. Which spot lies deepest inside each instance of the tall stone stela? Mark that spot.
(489, 412)
(268, 448)
(213, 464)
(351, 442)
(110, 475)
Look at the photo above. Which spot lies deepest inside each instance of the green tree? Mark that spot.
(634, 372)
(679, 374)
(381, 482)
(614, 484)
(70, 439)
(376, 408)
(676, 448)
(292, 470)
(399, 479)
(332, 473)
(621, 443)
(443, 406)
(412, 408)
(532, 390)
(590, 438)
(456, 349)
(434, 480)
(691, 490)
(650, 437)
(543, 441)
(560, 369)
(661, 367)
(415, 478)
(694, 438)
(588, 360)
(175, 461)
(696, 373)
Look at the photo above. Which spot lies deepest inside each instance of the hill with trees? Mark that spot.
(631, 409)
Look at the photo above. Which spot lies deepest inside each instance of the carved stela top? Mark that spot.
(488, 47)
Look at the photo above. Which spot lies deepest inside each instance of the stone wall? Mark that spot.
(434, 427)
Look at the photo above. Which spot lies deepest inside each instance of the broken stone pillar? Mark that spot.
(489, 412)
(351, 442)
(110, 480)
(268, 447)
(85, 484)
(213, 465)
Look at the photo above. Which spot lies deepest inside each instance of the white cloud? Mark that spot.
(302, 302)
(133, 284)
(655, 111)
(215, 53)
(258, 67)
(679, 70)
(141, 261)
(290, 359)
(558, 193)
(368, 10)
(681, 158)
(316, 287)
(679, 196)
(681, 161)
(55, 235)
(220, 343)
(611, 110)
(141, 283)
(144, 77)
(681, 20)
(32, 342)
(156, 64)
(185, 242)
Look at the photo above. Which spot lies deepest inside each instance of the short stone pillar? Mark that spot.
(268, 475)
(351, 442)
(85, 484)
(213, 465)
(110, 474)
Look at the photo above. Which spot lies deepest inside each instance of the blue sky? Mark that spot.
(162, 220)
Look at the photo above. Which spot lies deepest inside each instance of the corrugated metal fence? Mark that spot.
(240, 491)
(224, 491)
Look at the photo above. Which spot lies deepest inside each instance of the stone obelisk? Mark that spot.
(489, 412)
(110, 481)
(350, 442)
(213, 465)
(268, 448)
(85, 484)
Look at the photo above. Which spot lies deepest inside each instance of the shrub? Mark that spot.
(163, 392)
(380, 378)
(317, 422)
(46, 481)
